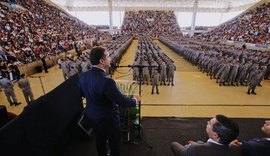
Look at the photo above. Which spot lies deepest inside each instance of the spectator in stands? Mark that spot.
(47, 28)
(221, 131)
(15, 71)
(2, 54)
(102, 97)
(256, 146)
(150, 22)
(24, 84)
(44, 63)
(249, 27)
(4, 68)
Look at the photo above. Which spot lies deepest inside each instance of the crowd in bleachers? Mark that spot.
(149, 22)
(33, 30)
(30, 28)
(252, 26)
(149, 54)
(228, 65)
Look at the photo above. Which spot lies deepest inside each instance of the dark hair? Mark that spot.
(226, 129)
(96, 54)
(22, 75)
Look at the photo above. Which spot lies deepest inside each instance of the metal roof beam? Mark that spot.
(178, 9)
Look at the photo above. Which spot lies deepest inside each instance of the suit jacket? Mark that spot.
(256, 147)
(102, 97)
(205, 149)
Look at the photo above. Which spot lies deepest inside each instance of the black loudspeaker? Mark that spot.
(3, 115)
(38, 69)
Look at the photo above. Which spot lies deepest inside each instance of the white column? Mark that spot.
(221, 18)
(110, 14)
(120, 15)
(195, 7)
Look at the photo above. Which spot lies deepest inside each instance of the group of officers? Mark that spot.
(72, 65)
(156, 66)
(229, 67)
(23, 84)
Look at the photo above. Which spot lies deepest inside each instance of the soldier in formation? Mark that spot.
(24, 84)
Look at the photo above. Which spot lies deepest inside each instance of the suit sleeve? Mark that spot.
(249, 148)
(190, 151)
(113, 93)
(80, 87)
(181, 150)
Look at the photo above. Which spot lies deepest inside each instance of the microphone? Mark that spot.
(36, 76)
(141, 66)
(114, 66)
(131, 66)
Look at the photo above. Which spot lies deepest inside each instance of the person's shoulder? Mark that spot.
(109, 79)
(214, 148)
(257, 141)
(84, 74)
(206, 145)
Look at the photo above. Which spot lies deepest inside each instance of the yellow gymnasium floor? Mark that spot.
(194, 94)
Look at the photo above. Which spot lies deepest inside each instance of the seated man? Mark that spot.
(221, 131)
(256, 147)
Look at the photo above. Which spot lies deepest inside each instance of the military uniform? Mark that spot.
(26, 89)
(9, 91)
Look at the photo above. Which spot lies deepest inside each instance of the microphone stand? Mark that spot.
(40, 82)
(139, 126)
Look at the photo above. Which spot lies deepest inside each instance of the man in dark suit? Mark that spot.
(256, 146)
(221, 131)
(102, 97)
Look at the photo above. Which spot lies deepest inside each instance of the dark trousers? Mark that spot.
(113, 138)
(44, 65)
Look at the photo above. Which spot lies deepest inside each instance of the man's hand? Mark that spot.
(235, 143)
(191, 142)
(138, 98)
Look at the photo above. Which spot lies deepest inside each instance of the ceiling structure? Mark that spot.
(176, 5)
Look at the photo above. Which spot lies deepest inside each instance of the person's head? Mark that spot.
(266, 127)
(100, 56)
(22, 75)
(222, 129)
